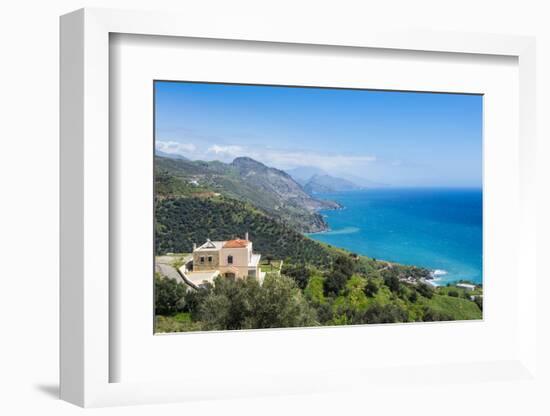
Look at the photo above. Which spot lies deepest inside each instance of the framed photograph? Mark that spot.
(247, 214)
(261, 221)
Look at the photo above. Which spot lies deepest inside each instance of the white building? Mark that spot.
(232, 259)
(466, 286)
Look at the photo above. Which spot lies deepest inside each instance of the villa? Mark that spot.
(232, 259)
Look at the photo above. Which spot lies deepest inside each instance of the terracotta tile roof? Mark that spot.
(236, 244)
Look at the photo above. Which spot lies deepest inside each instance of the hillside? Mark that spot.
(318, 284)
(180, 222)
(278, 183)
(246, 180)
(327, 184)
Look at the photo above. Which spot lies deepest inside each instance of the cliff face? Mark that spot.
(268, 189)
(278, 183)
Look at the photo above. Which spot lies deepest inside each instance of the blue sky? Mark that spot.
(394, 138)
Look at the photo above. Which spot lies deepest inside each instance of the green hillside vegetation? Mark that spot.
(246, 180)
(182, 221)
(318, 284)
(457, 308)
(167, 185)
(307, 297)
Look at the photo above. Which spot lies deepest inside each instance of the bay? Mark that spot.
(440, 229)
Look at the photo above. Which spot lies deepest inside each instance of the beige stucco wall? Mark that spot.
(240, 256)
(240, 273)
(241, 260)
(197, 266)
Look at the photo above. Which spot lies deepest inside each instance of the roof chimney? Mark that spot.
(246, 236)
(194, 246)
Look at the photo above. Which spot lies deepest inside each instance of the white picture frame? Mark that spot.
(87, 355)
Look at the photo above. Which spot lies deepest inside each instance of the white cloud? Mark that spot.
(321, 160)
(286, 159)
(231, 150)
(174, 147)
(278, 158)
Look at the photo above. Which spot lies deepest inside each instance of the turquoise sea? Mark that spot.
(440, 229)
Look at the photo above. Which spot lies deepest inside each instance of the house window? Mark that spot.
(202, 260)
(229, 259)
(209, 259)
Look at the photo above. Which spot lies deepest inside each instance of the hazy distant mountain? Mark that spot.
(160, 153)
(364, 183)
(277, 182)
(328, 184)
(303, 174)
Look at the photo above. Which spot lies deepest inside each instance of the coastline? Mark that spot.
(457, 261)
(328, 205)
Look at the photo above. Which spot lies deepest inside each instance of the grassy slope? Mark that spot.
(458, 308)
(181, 322)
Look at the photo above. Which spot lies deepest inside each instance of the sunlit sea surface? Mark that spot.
(440, 229)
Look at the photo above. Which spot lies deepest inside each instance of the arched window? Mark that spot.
(229, 259)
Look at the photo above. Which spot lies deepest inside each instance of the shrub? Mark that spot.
(431, 315)
(344, 265)
(336, 279)
(382, 314)
(280, 304)
(169, 296)
(243, 304)
(392, 281)
(352, 302)
(425, 290)
(334, 283)
(194, 300)
(325, 313)
(314, 290)
(229, 304)
(299, 272)
(371, 288)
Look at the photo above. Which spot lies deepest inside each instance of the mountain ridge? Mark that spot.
(302, 174)
(270, 189)
(306, 174)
